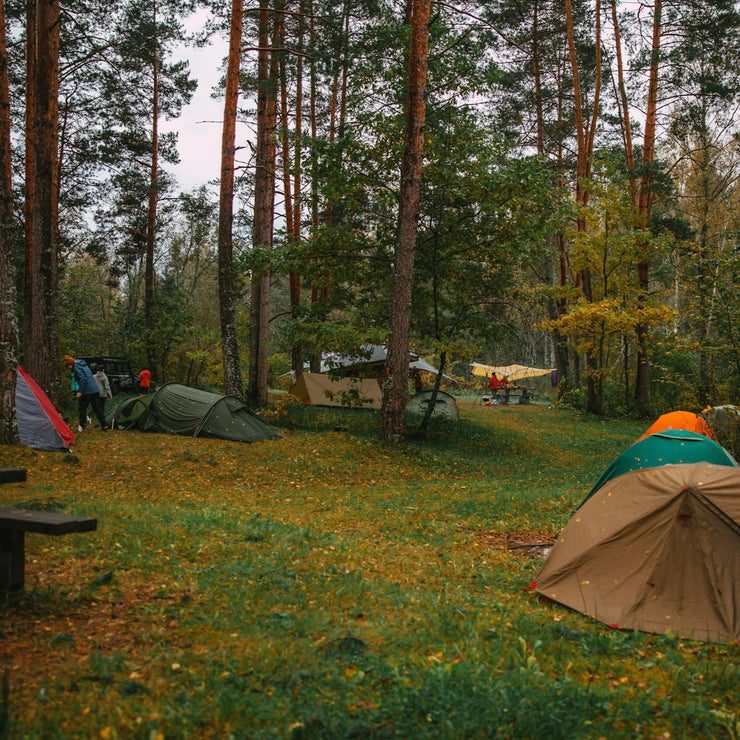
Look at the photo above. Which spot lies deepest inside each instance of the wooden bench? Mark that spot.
(14, 523)
(12, 475)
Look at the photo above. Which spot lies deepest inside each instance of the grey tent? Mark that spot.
(445, 405)
(179, 409)
(39, 424)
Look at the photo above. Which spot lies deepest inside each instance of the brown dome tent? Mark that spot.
(656, 550)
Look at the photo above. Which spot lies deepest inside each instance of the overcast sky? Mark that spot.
(199, 126)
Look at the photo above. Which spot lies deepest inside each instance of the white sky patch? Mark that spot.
(199, 125)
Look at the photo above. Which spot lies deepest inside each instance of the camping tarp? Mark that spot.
(316, 389)
(665, 448)
(39, 424)
(372, 354)
(512, 372)
(656, 550)
(445, 405)
(680, 420)
(179, 409)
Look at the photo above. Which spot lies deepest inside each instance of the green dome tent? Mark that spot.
(670, 447)
(445, 405)
(125, 413)
(179, 409)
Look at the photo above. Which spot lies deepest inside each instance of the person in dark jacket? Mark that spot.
(88, 393)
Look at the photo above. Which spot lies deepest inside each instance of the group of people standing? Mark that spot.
(92, 389)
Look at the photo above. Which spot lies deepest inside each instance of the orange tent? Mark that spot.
(680, 420)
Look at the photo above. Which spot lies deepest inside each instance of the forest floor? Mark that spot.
(326, 585)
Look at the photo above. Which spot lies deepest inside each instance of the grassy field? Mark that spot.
(327, 586)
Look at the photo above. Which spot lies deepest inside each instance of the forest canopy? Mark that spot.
(576, 200)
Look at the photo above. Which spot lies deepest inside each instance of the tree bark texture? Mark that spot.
(42, 346)
(645, 205)
(226, 279)
(8, 309)
(585, 137)
(151, 226)
(395, 385)
(264, 197)
(29, 176)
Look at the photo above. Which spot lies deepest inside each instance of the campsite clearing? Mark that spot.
(326, 585)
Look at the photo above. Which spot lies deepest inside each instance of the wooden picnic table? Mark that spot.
(14, 523)
(502, 397)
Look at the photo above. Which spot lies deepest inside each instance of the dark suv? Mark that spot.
(118, 370)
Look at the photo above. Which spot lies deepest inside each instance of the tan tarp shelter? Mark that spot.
(656, 550)
(315, 389)
(512, 372)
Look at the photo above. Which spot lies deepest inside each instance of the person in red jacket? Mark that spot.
(145, 381)
(493, 389)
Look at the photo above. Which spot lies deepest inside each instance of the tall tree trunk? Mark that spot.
(291, 184)
(151, 225)
(641, 191)
(314, 358)
(556, 307)
(623, 104)
(264, 198)
(645, 207)
(226, 282)
(8, 308)
(294, 278)
(395, 385)
(30, 177)
(585, 137)
(320, 293)
(42, 347)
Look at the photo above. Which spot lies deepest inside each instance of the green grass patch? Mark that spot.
(326, 585)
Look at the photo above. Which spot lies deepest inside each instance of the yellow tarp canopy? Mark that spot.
(512, 372)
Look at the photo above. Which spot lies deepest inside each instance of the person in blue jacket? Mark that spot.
(87, 393)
